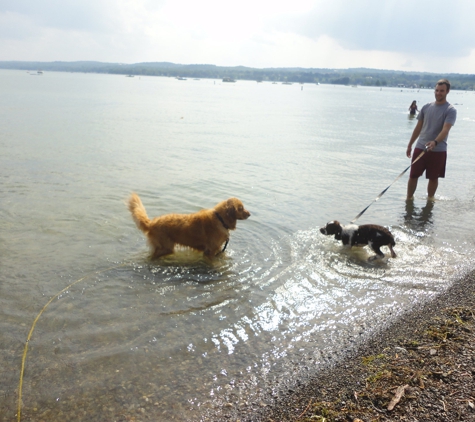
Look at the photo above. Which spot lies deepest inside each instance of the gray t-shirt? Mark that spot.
(434, 116)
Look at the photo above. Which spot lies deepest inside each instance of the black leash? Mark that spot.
(226, 244)
(226, 227)
(384, 191)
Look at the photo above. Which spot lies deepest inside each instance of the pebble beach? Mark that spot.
(419, 368)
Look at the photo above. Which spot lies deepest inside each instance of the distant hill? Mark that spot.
(356, 76)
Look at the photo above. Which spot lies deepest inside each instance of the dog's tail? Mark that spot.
(138, 213)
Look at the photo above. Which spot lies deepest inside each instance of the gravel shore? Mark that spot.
(421, 368)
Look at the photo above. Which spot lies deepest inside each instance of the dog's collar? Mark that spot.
(222, 221)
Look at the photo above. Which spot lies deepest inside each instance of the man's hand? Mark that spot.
(431, 145)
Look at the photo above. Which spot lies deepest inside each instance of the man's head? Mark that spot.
(442, 88)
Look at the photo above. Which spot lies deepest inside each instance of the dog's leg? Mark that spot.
(160, 249)
(377, 249)
(160, 245)
(393, 254)
(158, 252)
(211, 252)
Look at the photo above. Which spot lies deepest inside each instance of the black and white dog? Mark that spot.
(367, 234)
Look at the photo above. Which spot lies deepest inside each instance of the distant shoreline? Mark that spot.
(355, 76)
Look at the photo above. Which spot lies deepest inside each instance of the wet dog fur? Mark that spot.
(206, 230)
(367, 234)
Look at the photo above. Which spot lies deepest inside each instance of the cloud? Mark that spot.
(435, 27)
(419, 35)
(106, 30)
(84, 15)
(15, 26)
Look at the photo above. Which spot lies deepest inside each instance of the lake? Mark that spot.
(182, 338)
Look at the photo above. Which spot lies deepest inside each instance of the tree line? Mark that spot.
(356, 76)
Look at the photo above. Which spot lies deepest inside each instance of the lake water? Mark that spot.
(179, 338)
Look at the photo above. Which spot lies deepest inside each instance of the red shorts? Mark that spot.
(433, 163)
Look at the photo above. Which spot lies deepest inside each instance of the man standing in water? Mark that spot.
(433, 125)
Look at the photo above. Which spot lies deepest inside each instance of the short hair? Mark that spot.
(444, 82)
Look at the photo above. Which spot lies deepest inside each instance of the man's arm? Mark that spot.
(440, 137)
(415, 135)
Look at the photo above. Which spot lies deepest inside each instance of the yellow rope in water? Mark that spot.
(25, 350)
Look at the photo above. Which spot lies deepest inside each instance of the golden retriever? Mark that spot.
(205, 230)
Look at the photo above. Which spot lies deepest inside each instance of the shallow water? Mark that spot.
(178, 338)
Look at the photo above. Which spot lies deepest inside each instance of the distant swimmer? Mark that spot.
(413, 108)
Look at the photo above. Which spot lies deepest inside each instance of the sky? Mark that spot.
(420, 35)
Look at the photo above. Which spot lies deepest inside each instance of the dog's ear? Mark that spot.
(231, 213)
(338, 230)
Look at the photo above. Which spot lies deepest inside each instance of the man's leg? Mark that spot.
(432, 188)
(411, 187)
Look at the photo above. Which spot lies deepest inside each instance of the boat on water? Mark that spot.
(226, 79)
(286, 83)
(129, 76)
(181, 78)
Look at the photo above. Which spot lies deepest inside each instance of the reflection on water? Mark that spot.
(418, 218)
(182, 338)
